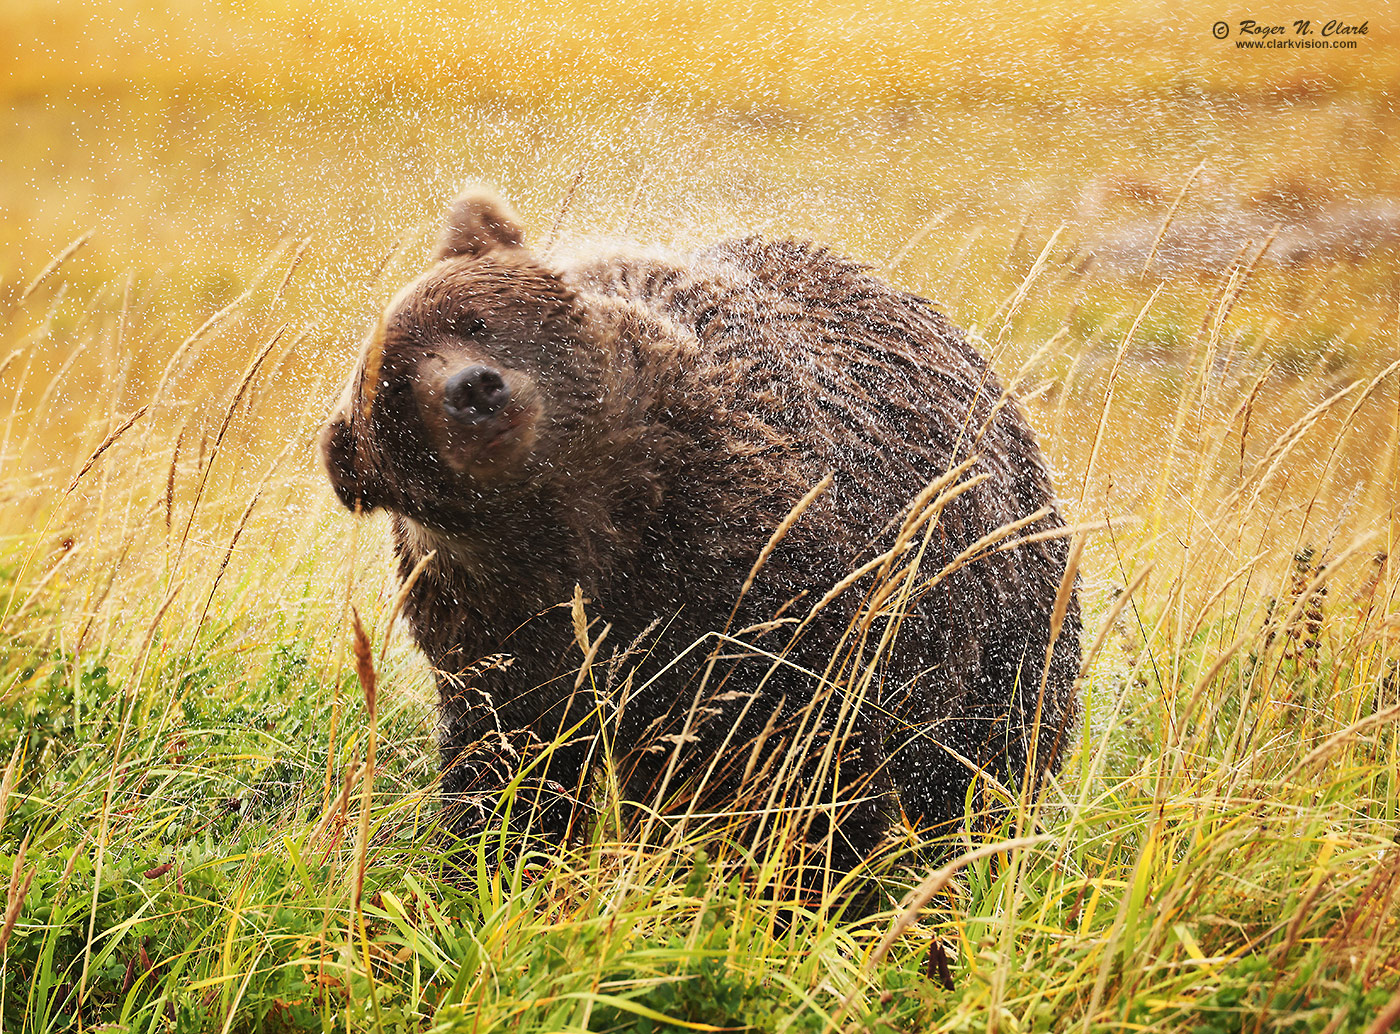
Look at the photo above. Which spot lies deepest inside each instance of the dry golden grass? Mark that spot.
(204, 209)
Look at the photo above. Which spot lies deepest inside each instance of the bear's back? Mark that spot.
(861, 379)
(824, 369)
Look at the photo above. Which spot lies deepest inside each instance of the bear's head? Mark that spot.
(472, 384)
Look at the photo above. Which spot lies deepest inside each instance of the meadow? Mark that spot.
(206, 824)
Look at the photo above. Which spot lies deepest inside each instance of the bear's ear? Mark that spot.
(356, 487)
(478, 222)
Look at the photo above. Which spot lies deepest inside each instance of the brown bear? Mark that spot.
(820, 540)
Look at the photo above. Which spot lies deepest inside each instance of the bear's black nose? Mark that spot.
(475, 393)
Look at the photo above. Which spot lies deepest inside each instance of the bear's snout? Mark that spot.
(476, 393)
(481, 419)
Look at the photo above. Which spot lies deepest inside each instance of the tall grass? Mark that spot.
(207, 821)
(195, 838)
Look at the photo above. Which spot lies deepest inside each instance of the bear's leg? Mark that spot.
(538, 744)
(825, 799)
(933, 765)
(476, 774)
(849, 821)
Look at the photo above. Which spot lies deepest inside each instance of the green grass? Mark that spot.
(183, 727)
(1196, 872)
(187, 740)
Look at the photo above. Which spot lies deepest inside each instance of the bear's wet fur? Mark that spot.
(640, 426)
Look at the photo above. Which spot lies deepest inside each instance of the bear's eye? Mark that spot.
(391, 390)
(467, 325)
